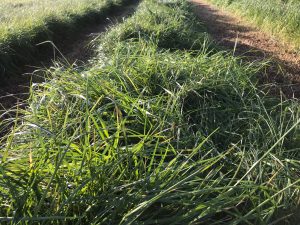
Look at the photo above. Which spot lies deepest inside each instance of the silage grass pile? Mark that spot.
(160, 129)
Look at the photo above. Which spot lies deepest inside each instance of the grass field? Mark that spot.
(278, 17)
(22, 16)
(161, 129)
(26, 23)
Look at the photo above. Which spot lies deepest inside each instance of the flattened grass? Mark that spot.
(152, 134)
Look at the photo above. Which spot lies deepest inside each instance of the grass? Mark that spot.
(155, 131)
(279, 18)
(26, 23)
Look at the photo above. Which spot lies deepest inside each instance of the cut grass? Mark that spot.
(25, 24)
(161, 25)
(152, 133)
(279, 18)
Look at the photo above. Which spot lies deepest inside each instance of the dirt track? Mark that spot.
(78, 51)
(229, 30)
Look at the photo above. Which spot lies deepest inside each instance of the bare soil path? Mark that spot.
(77, 51)
(230, 31)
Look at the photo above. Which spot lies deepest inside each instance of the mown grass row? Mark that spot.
(277, 17)
(161, 129)
(26, 24)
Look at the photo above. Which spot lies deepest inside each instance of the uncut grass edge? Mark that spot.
(273, 18)
(17, 52)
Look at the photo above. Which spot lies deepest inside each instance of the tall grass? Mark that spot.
(152, 134)
(280, 18)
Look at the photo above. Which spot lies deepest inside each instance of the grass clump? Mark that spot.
(151, 135)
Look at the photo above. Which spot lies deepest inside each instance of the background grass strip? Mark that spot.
(26, 23)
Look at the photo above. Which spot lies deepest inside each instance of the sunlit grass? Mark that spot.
(17, 17)
(24, 24)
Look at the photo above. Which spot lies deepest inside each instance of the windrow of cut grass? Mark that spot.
(280, 18)
(26, 23)
(160, 129)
